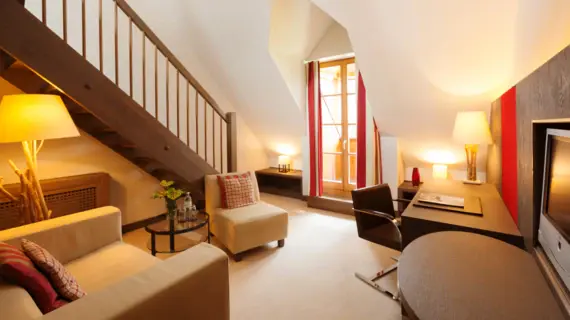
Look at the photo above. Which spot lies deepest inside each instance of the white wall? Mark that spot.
(131, 188)
(392, 172)
(335, 42)
(231, 42)
(426, 173)
(289, 45)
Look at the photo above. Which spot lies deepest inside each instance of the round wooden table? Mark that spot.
(459, 275)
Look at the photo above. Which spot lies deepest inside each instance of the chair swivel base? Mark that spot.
(371, 281)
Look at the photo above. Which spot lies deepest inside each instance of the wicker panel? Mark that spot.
(63, 196)
(72, 201)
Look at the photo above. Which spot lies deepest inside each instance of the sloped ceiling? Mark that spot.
(422, 61)
(234, 45)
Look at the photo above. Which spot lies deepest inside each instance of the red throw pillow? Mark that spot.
(236, 190)
(63, 281)
(18, 269)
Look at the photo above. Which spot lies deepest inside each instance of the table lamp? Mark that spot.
(30, 119)
(472, 129)
(439, 171)
(284, 163)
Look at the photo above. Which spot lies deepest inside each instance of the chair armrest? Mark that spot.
(394, 221)
(192, 285)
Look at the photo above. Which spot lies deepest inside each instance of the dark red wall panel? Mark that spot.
(509, 151)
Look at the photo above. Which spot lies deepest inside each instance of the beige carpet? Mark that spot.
(312, 277)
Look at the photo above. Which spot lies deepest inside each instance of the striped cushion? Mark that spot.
(236, 190)
(18, 269)
(63, 281)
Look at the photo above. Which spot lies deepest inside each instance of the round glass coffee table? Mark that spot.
(173, 229)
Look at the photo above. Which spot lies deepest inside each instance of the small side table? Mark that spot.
(287, 184)
(407, 191)
(172, 228)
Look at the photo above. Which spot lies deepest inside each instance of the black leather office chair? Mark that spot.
(378, 222)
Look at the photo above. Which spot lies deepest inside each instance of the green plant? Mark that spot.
(168, 192)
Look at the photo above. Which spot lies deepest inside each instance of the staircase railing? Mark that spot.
(110, 35)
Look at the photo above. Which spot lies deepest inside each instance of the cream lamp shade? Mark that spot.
(471, 127)
(28, 117)
(283, 160)
(439, 171)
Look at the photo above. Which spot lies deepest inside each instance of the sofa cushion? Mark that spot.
(248, 227)
(63, 281)
(236, 190)
(18, 269)
(109, 265)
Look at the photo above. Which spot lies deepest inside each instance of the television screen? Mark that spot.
(558, 192)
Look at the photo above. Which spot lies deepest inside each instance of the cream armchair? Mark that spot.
(244, 228)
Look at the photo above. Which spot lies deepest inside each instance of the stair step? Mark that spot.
(88, 123)
(6, 61)
(23, 78)
(147, 164)
(113, 140)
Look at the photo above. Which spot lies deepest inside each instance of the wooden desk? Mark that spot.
(496, 221)
(460, 276)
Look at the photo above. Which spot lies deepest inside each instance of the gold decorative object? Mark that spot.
(472, 129)
(30, 119)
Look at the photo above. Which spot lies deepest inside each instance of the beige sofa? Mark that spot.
(244, 228)
(121, 281)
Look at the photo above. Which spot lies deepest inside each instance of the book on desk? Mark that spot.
(470, 205)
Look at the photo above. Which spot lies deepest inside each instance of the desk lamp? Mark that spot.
(472, 129)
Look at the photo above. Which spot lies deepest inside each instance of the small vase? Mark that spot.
(170, 209)
(415, 177)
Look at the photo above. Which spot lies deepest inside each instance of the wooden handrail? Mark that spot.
(137, 20)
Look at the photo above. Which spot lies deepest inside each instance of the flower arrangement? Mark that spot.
(170, 194)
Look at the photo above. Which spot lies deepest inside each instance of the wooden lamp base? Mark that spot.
(33, 207)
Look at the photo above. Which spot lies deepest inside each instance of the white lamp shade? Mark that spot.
(471, 127)
(26, 117)
(284, 160)
(439, 171)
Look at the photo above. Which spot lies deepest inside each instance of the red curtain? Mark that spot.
(314, 128)
(361, 134)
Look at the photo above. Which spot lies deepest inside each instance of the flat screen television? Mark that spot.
(554, 225)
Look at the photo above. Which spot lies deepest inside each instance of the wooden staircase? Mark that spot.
(37, 60)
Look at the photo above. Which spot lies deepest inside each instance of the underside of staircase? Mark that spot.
(36, 60)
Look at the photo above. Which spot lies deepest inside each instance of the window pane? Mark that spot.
(352, 108)
(331, 110)
(330, 80)
(352, 169)
(332, 167)
(352, 138)
(351, 78)
(332, 136)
